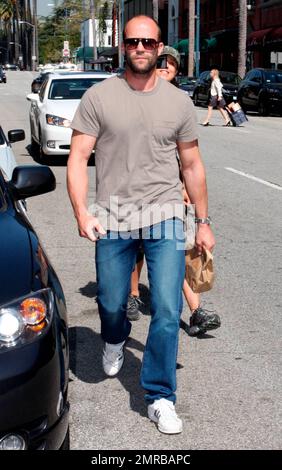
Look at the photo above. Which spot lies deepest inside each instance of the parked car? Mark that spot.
(7, 157)
(34, 353)
(12, 67)
(37, 82)
(187, 84)
(3, 78)
(261, 90)
(230, 83)
(53, 109)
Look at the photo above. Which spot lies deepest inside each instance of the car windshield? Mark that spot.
(230, 78)
(273, 77)
(71, 89)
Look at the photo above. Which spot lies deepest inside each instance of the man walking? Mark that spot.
(136, 122)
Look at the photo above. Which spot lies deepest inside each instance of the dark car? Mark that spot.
(37, 82)
(3, 78)
(261, 90)
(230, 82)
(187, 84)
(33, 325)
(12, 67)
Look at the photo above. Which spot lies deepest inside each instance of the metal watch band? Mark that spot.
(206, 220)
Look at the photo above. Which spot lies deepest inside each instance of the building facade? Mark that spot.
(103, 37)
(264, 42)
(145, 7)
(219, 30)
(15, 38)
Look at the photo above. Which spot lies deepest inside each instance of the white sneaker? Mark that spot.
(113, 358)
(163, 413)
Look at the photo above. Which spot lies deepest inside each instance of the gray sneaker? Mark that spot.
(203, 320)
(133, 305)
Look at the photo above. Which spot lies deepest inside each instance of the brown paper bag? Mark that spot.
(199, 270)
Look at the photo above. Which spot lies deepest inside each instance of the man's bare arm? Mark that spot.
(77, 184)
(194, 177)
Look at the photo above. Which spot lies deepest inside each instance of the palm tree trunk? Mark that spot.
(16, 32)
(242, 37)
(155, 10)
(191, 38)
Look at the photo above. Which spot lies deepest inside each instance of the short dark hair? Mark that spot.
(143, 16)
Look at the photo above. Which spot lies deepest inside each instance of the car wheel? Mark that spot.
(196, 99)
(242, 106)
(34, 144)
(262, 108)
(41, 154)
(66, 444)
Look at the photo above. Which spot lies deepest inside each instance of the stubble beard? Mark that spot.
(151, 65)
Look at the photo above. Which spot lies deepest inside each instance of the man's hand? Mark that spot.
(186, 199)
(204, 238)
(87, 225)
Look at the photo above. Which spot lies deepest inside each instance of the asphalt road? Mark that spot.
(229, 382)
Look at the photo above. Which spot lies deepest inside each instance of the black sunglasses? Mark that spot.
(148, 43)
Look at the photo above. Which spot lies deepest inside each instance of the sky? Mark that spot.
(42, 7)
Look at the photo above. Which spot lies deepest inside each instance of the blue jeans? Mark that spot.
(115, 261)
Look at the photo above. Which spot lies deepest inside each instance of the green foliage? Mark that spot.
(6, 10)
(103, 15)
(64, 24)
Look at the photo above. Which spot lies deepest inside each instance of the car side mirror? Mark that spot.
(31, 180)
(16, 135)
(32, 97)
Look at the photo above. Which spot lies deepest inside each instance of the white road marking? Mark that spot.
(254, 178)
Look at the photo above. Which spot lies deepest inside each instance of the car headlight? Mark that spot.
(24, 319)
(57, 121)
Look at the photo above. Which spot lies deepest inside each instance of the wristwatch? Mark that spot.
(205, 220)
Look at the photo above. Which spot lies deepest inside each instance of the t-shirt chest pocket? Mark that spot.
(163, 133)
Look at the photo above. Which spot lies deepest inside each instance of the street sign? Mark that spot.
(66, 52)
(66, 45)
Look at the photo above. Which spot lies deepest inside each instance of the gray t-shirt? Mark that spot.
(137, 174)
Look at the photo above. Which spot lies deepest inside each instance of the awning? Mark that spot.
(183, 45)
(108, 51)
(258, 38)
(275, 36)
(86, 53)
(225, 40)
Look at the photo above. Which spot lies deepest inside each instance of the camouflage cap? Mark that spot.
(168, 50)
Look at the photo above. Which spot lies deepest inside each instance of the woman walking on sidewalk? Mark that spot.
(216, 99)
